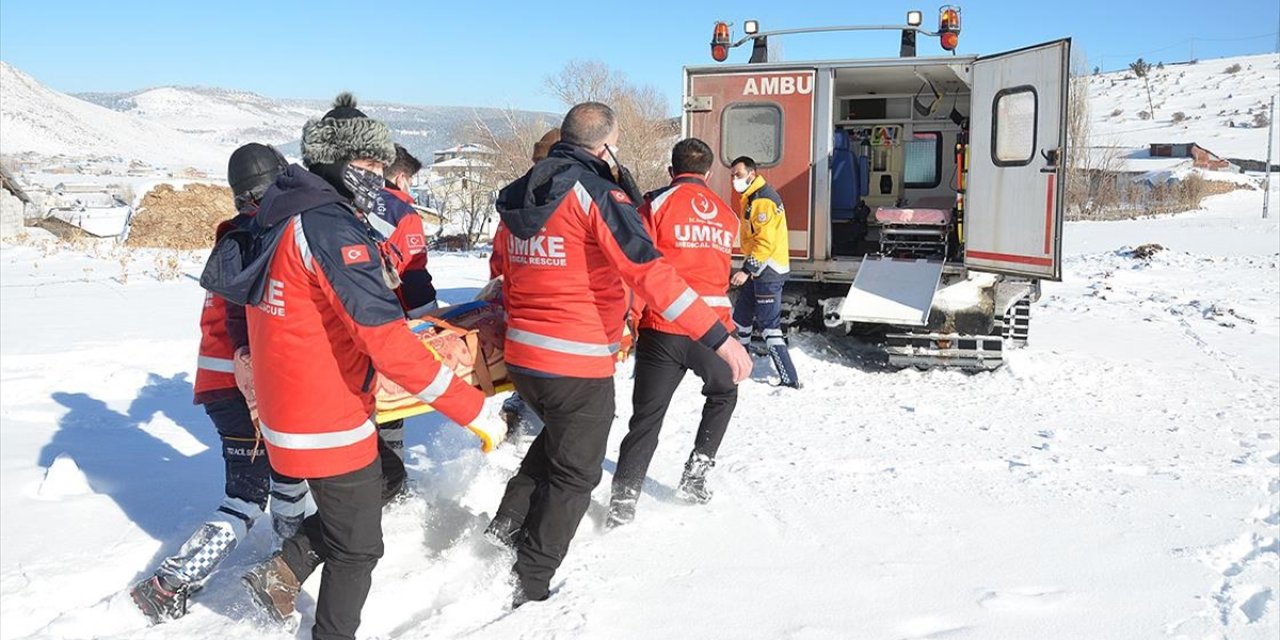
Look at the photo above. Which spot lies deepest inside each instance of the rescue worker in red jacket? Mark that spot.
(324, 319)
(395, 219)
(540, 150)
(164, 595)
(694, 230)
(521, 420)
(575, 239)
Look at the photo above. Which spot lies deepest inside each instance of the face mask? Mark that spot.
(611, 156)
(365, 187)
(740, 184)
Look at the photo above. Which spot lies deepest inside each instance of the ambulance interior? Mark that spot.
(894, 178)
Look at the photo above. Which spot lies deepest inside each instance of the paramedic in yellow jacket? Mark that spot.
(763, 236)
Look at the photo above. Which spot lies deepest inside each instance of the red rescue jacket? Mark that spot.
(406, 244)
(573, 240)
(215, 369)
(325, 321)
(694, 230)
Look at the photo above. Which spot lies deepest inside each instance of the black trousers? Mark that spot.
(391, 451)
(552, 490)
(344, 535)
(661, 362)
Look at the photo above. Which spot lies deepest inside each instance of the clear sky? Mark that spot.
(497, 53)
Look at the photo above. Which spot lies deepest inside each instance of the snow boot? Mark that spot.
(202, 552)
(693, 484)
(159, 600)
(622, 506)
(504, 531)
(781, 357)
(273, 587)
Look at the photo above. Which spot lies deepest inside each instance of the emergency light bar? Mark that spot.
(948, 33)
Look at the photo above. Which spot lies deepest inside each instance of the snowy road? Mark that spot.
(1119, 478)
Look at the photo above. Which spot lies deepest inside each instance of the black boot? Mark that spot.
(693, 484)
(622, 506)
(160, 601)
(504, 531)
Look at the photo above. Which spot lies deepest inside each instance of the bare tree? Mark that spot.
(1091, 177)
(465, 197)
(512, 138)
(647, 132)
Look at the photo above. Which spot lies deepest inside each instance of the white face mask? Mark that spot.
(740, 184)
(611, 156)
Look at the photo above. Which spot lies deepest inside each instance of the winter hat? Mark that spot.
(344, 134)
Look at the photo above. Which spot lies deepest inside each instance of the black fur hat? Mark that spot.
(345, 134)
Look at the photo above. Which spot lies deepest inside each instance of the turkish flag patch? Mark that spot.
(620, 196)
(415, 242)
(355, 254)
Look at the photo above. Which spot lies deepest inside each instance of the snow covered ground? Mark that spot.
(1119, 478)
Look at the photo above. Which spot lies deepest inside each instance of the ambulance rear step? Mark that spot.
(927, 350)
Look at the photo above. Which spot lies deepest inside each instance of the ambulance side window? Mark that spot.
(752, 129)
(1013, 127)
(923, 160)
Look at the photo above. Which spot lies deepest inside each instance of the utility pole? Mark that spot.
(1271, 137)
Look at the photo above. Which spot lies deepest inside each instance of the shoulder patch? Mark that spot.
(618, 195)
(762, 217)
(355, 254)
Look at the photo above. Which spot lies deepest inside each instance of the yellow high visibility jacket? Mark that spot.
(763, 233)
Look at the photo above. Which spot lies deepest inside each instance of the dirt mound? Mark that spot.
(183, 219)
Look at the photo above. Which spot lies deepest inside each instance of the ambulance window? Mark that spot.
(1013, 127)
(753, 130)
(923, 163)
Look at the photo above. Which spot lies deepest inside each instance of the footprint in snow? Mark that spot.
(1024, 600)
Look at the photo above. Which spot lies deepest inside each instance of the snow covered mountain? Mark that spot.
(221, 116)
(35, 118)
(198, 126)
(231, 118)
(1216, 103)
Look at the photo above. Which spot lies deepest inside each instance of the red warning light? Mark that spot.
(720, 42)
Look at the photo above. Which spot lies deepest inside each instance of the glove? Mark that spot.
(490, 428)
(244, 380)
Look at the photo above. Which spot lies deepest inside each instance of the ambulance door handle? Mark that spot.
(1051, 160)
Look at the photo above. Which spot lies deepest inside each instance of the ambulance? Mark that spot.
(923, 194)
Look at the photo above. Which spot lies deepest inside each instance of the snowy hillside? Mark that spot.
(178, 127)
(1210, 95)
(227, 118)
(38, 119)
(1118, 478)
(232, 118)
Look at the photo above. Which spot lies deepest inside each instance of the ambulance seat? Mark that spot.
(848, 180)
(845, 184)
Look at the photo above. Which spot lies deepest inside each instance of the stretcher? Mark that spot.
(467, 338)
(916, 232)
